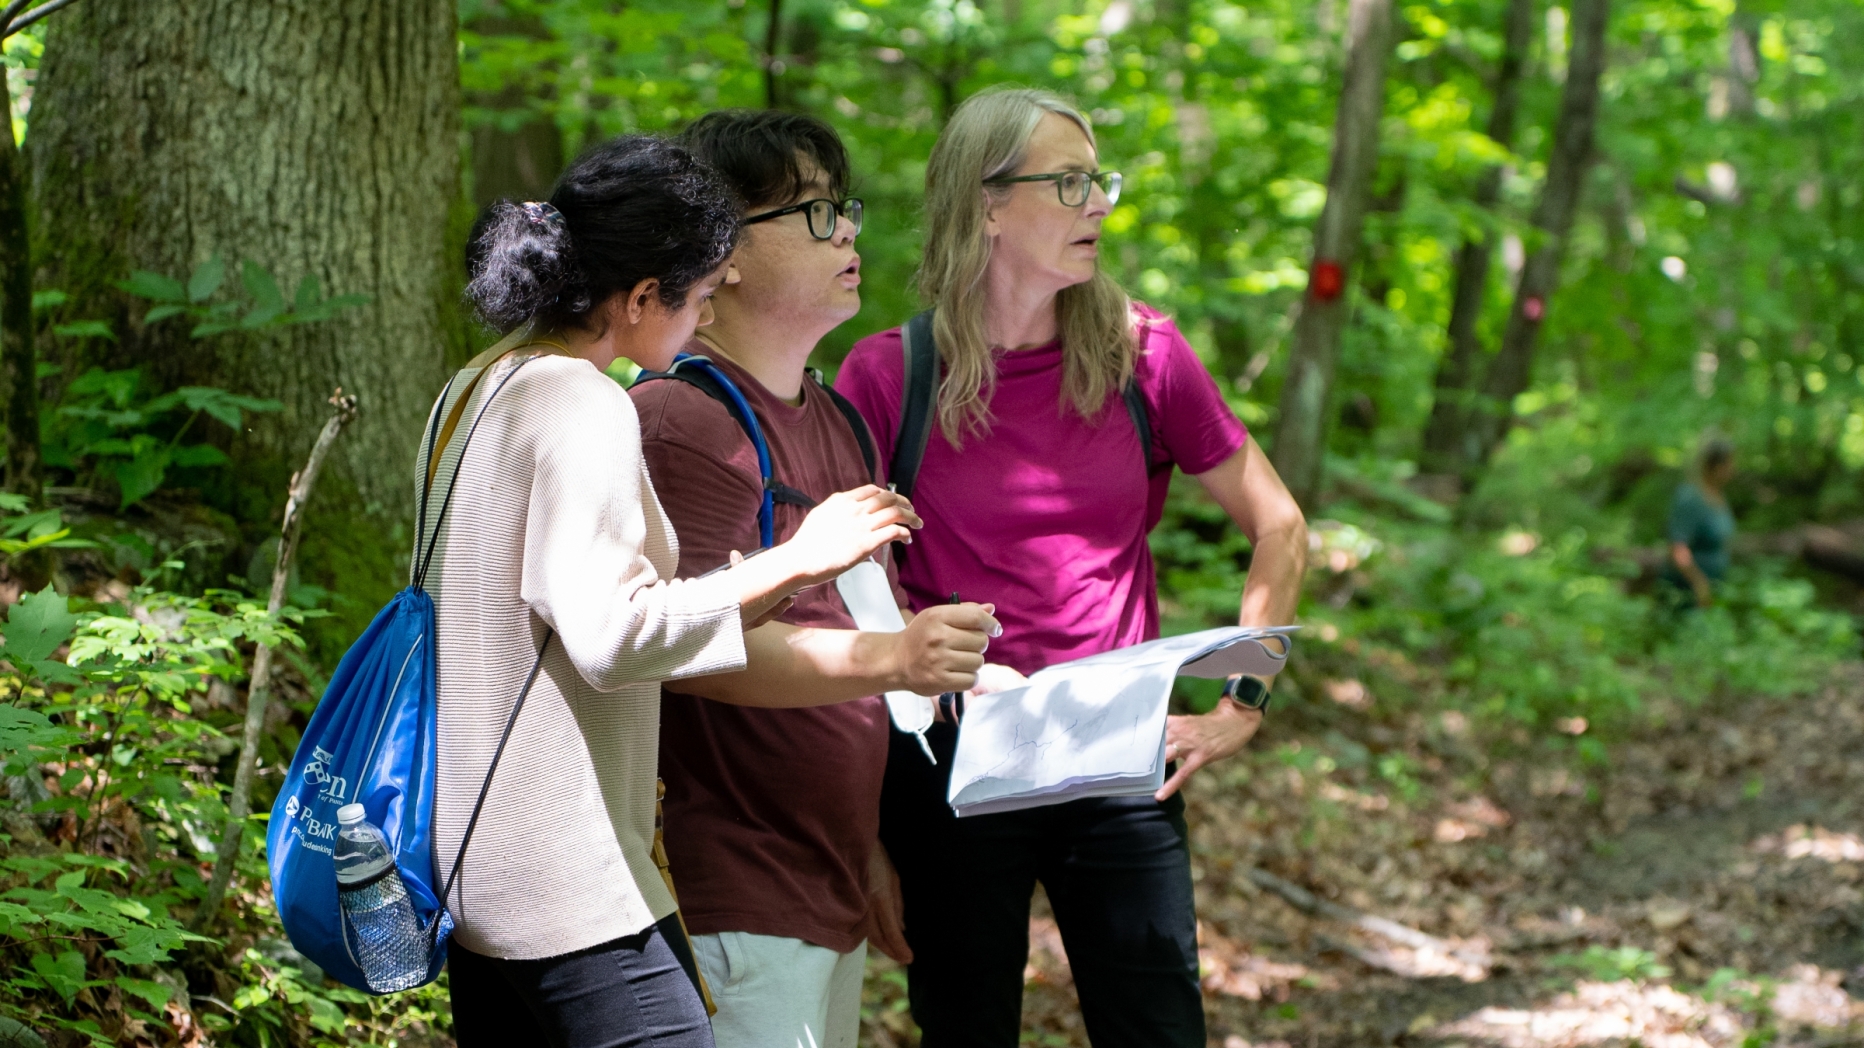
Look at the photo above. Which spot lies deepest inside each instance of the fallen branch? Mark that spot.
(1465, 960)
(227, 854)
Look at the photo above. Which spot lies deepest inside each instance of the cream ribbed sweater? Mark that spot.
(554, 521)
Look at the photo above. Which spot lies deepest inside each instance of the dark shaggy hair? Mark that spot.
(761, 152)
(631, 209)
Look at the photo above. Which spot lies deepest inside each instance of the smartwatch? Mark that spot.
(1251, 693)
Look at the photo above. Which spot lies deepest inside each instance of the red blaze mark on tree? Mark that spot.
(1534, 308)
(1327, 280)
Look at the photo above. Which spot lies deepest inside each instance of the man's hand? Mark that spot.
(1196, 741)
(886, 907)
(942, 648)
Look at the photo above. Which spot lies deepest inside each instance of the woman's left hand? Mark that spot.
(1196, 741)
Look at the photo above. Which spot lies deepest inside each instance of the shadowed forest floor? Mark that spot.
(1704, 888)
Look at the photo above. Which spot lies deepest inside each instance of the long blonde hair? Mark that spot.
(988, 136)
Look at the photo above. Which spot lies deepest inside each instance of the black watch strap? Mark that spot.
(1248, 692)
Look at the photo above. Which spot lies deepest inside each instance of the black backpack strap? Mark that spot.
(781, 492)
(855, 422)
(472, 822)
(1136, 410)
(918, 401)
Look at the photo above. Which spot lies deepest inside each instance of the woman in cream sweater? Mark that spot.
(553, 538)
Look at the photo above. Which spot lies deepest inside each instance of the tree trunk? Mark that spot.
(1301, 432)
(1457, 374)
(314, 137)
(19, 365)
(1559, 202)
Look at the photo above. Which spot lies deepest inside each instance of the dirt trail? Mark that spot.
(1705, 889)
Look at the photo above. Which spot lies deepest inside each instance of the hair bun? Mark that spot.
(520, 262)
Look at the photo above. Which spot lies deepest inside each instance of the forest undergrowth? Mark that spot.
(1598, 810)
(1701, 889)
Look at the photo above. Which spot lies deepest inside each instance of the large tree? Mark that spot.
(314, 137)
(1301, 432)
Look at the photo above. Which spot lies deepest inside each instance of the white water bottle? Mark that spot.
(385, 936)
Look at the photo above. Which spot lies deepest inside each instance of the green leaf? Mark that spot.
(34, 525)
(223, 405)
(116, 387)
(23, 730)
(145, 284)
(325, 1016)
(37, 625)
(207, 279)
(198, 455)
(84, 329)
(159, 313)
(310, 294)
(64, 973)
(140, 476)
(157, 994)
(216, 402)
(211, 328)
(13, 503)
(48, 300)
(268, 302)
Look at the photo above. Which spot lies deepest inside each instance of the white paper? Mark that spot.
(1093, 727)
(869, 600)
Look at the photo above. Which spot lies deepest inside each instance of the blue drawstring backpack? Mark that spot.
(372, 742)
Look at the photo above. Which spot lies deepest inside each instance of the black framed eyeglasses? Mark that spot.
(1070, 186)
(821, 213)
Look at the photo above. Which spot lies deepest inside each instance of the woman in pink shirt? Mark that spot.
(1035, 498)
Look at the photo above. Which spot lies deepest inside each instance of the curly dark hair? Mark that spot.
(631, 209)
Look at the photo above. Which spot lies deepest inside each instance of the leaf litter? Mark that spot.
(1699, 889)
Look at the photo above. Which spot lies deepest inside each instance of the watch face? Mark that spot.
(1249, 692)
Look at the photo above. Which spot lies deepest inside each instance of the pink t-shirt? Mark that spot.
(1046, 515)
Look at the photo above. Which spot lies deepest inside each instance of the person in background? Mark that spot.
(1701, 525)
(772, 815)
(1037, 498)
(554, 540)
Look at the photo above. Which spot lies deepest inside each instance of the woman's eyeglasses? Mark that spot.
(1071, 186)
(821, 213)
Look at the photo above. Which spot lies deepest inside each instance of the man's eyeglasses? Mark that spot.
(1071, 186)
(821, 213)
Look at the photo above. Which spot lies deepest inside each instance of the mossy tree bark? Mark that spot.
(313, 137)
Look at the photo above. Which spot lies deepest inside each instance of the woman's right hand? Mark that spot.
(846, 529)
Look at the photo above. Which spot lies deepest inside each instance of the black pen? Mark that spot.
(951, 703)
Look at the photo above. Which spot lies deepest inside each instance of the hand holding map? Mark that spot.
(1094, 727)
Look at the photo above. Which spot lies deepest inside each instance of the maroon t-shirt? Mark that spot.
(770, 813)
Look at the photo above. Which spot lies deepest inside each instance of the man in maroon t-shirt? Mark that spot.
(772, 815)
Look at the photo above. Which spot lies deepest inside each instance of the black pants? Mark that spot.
(635, 992)
(1118, 874)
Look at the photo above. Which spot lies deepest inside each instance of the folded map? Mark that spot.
(1094, 727)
